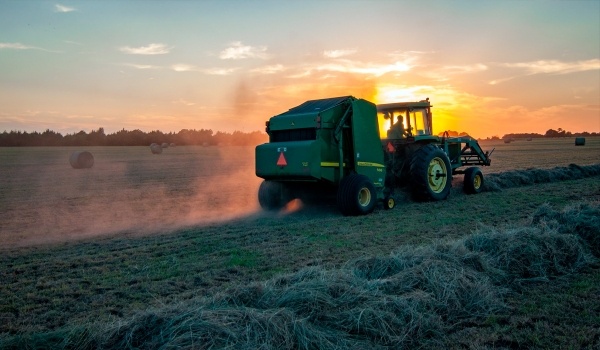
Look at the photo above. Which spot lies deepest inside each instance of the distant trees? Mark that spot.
(130, 138)
(551, 133)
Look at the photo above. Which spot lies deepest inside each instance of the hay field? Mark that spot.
(129, 189)
(540, 153)
(151, 283)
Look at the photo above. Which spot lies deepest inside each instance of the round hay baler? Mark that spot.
(580, 141)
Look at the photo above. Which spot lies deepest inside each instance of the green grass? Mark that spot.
(44, 288)
(562, 314)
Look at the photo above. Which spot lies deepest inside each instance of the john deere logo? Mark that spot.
(292, 123)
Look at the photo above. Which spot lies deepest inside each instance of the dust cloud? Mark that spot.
(129, 190)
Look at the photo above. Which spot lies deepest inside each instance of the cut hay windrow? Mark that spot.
(410, 298)
(515, 178)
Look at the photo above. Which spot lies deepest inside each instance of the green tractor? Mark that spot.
(335, 146)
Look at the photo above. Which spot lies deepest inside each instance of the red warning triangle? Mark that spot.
(281, 161)
(390, 148)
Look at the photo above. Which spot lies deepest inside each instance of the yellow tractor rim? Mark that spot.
(391, 203)
(477, 181)
(436, 168)
(364, 196)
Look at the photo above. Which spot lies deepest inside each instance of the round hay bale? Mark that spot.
(580, 141)
(506, 140)
(81, 160)
(152, 144)
(205, 144)
(156, 149)
(164, 145)
(529, 139)
(173, 144)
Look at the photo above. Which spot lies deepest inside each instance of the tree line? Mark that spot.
(131, 138)
(551, 133)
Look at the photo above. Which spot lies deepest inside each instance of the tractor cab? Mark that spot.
(404, 120)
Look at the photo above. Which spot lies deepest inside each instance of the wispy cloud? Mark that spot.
(212, 71)
(19, 46)
(498, 81)
(556, 67)
(180, 67)
(72, 42)
(408, 54)
(269, 69)
(375, 69)
(183, 67)
(239, 51)
(61, 8)
(184, 102)
(339, 53)
(219, 71)
(141, 66)
(445, 72)
(152, 49)
(300, 75)
(549, 67)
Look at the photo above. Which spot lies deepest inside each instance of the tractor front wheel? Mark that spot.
(356, 195)
(430, 174)
(473, 182)
(271, 195)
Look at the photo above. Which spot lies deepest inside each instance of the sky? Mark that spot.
(489, 68)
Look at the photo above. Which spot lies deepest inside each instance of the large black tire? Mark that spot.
(271, 195)
(356, 195)
(430, 174)
(473, 182)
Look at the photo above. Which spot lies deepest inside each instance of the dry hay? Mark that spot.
(580, 141)
(411, 298)
(515, 178)
(173, 144)
(164, 145)
(579, 219)
(81, 160)
(155, 148)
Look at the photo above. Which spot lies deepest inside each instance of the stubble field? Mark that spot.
(141, 231)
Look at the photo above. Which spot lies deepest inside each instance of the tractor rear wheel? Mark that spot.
(356, 195)
(271, 195)
(430, 174)
(473, 182)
